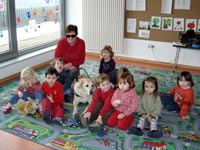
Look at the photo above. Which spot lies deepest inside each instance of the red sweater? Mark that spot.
(32, 89)
(105, 97)
(183, 96)
(56, 91)
(71, 54)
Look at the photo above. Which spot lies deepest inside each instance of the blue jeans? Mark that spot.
(36, 95)
(169, 103)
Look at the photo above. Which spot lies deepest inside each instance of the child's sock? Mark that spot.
(153, 125)
(141, 123)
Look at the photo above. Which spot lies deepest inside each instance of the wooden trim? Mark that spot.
(146, 63)
(121, 60)
(16, 75)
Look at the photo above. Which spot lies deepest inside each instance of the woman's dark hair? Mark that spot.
(70, 28)
(187, 76)
(154, 81)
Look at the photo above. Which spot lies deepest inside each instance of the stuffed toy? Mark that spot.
(27, 107)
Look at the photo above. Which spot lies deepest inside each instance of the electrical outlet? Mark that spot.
(151, 46)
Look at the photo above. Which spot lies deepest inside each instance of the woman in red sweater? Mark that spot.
(72, 50)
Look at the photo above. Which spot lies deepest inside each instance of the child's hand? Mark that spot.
(87, 115)
(120, 116)
(50, 98)
(99, 120)
(20, 94)
(116, 102)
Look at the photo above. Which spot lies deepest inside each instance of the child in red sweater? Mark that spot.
(100, 107)
(180, 97)
(53, 102)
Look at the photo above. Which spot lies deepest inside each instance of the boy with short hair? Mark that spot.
(53, 102)
(100, 108)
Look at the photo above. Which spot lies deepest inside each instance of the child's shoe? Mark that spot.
(95, 127)
(135, 130)
(82, 122)
(155, 134)
(57, 120)
(7, 110)
(47, 116)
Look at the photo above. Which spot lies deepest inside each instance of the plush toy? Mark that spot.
(27, 107)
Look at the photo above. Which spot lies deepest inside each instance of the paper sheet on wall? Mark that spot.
(182, 4)
(166, 7)
(136, 5)
(131, 25)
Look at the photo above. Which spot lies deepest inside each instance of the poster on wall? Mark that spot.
(182, 4)
(166, 23)
(178, 24)
(131, 25)
(144, 29)
(136, 5)
(155, 22)
(198, 27)
(191, 24)
(166, 7)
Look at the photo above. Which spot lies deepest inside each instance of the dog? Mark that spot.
(83, 89)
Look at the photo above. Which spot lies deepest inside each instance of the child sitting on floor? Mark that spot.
(100, 107)
(30, 86)
(180, 97)
(64, 77)
(53, 102)
(149, 107)
(124, 101)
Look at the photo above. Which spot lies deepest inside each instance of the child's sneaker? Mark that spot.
(80, 120)
(135, 130)
(47, 116)
(155, 134)
(57, 120)
(95, 127)
(7, 110)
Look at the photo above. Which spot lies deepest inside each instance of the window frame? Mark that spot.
(11, 22)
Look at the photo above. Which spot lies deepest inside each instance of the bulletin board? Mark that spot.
(153, 8)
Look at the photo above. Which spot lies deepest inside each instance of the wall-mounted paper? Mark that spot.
(166, 7)
(182, 4)
(131, 25)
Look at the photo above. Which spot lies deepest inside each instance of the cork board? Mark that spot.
(153, 8)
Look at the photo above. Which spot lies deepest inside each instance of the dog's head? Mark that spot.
(84, 86)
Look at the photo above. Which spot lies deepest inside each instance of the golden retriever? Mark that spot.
(83, 90)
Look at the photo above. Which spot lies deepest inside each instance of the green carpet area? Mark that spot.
(179, 134)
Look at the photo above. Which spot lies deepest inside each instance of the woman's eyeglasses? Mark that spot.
(72, 36)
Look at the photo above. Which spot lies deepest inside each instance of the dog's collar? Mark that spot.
(77, 95)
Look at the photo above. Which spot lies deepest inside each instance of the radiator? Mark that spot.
(103, 24)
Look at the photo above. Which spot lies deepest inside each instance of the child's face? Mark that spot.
(105, 86)
(106, 54)
(149, 87)
(183, 83)
(51, 79)
(59, 66)
(123, 85)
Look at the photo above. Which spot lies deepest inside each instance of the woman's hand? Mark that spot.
(87, 115)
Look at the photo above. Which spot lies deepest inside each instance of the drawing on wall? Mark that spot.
(131, 25)
(178, 24)
(166, 23)
(198, 27)
(191, 24)
(144, 29)
(182, 4)
(155, 22)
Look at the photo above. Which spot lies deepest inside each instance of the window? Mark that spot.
(33, 25)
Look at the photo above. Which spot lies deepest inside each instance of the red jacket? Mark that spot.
(105, 97)
(56, 91)
(71, 54)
